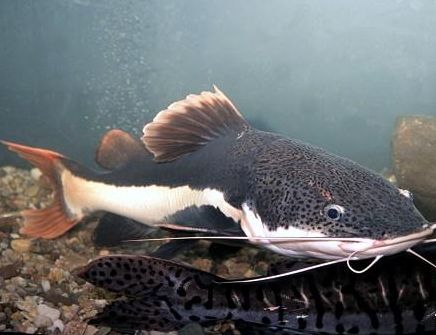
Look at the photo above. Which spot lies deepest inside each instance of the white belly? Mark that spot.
(148, 204)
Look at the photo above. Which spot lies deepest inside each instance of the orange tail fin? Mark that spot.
(52, 221)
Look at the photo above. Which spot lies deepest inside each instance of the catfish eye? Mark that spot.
(334, 212)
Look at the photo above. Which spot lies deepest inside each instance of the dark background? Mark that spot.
(334, 73)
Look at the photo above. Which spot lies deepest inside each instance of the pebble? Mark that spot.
(32, 191)
(45, 284)
(35, 173)
(21, 245)
(236, 269)
(57, 275)
(104, 252)
(69, 312)
(2, 316)
(75, 327)
(52, 313)
(31, 330)
(59, 325)
(4, 245)
(191, 329)
(103, 331)
(42, 321)
(10, 256)
(100, 303)
(202, 264)
(19, 281)
(29, 304)
(90, 330)
(9, 169)
(10, 270)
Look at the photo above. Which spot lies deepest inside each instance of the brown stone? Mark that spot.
(10, 270)
(21, 245)
(414, 160)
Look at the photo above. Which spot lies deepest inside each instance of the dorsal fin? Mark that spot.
(117, 148)
(189, 124)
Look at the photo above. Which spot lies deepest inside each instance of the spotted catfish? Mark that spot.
(201, 167)
(396, 296)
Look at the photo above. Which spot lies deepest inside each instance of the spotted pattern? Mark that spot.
(290, 183)
(396, 296)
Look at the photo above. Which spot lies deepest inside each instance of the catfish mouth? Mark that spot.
(336, 248)
(385, 247)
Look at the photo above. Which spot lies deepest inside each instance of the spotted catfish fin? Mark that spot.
(189, 124)
(117, 148)
(205, 219)
(113, 230)
(158, 294)
(139, 276)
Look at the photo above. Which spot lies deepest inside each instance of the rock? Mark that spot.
(236, 269)
(28, 304)
(9, 169)
(32, 191)
(76, 327)
(90, 330)
(222, 271)
(42, 321)
(45, 284)
(30, 330)
(69, 312)
(202, 264)
(59, 325)
(10, 256)
(103, 252)
(191, 329)
(10, 270)
(35, 173)
(103, 331)
(56, 298)
(57, 275)
(52, 313)
(21, 245)
(19, 281)
(414, 160)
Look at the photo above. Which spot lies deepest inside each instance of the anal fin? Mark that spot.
(170, 249)
(113, 229)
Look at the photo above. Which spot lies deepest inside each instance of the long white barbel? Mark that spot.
(316, 266)
(275, 239)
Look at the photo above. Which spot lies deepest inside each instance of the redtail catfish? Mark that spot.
(200, 166)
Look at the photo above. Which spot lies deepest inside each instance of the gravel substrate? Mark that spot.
(39, 292)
